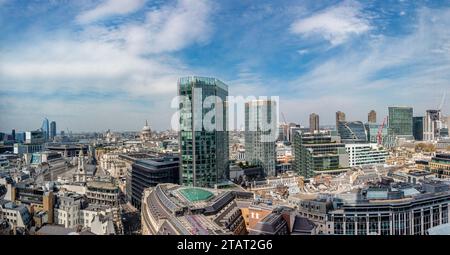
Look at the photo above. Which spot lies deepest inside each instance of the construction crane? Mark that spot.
(380, 131)
(284, 118)
(442, 100)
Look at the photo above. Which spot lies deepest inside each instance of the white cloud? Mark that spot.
(132, 62)
(335, 24)
(114, 58)
(172, 28)
(166, 29)
(109, 8)
(90, 65)
(411, 69)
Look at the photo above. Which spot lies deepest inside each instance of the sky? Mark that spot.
(112, 64)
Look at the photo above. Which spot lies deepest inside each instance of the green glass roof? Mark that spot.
(196, 194)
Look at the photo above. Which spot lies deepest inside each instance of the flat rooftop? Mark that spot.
(101, 185)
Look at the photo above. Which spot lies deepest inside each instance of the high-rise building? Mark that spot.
(13, 133)
(313, 122)
(52, 130)
(372, 132)
(352, 131)
(432, 125)
(293, 128)
(340, 116)
(319, 153)
(46, 129)
(203, 149)
(400, 121)
(372, 117)
(418, 128)
(260, 134)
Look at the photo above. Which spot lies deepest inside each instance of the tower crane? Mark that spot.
(380, 131)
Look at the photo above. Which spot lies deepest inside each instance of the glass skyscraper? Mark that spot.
(372, 132)
(52, 129)
(46, 129)
(418, 128)
(260, 134)
(400, 121)
(204, 151)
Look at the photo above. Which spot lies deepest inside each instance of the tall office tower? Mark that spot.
(372, 132)
(283, 129)
(261, 134)
(292, 129)
(352, 132)
(13, 134)
(203, 149)
(400, 121)
(52, 129)
(340, 116)
(319, 154)
(372, 117)
(313, 122)
(46, 129)
(432, 125)
(418, 128)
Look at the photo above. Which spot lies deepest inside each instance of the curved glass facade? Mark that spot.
(353, 131)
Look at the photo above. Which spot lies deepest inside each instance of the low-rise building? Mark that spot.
(103, 192)
(440, 165)
(17, 215)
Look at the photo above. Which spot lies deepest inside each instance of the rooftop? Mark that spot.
(196, 194)
(101, 185)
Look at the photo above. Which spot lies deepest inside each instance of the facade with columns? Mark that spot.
(413, 216)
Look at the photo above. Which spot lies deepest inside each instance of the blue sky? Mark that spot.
(112, 64)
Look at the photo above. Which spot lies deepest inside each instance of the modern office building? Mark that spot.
(52, 130)
(313, 122)
(34, 137)
(204, 148)
(418, 128)
(432, 125)
(400, 121)
(398, 209)
(34, 141)
(372, 132)
(261, 134)
(365, 154)
(45, 129)
(340, 116)
(352, 132)
(170, 209)
(13, 134)
(319, 153)
(372, 116)
(147, 173)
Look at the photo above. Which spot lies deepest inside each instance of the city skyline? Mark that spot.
(82, 62)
